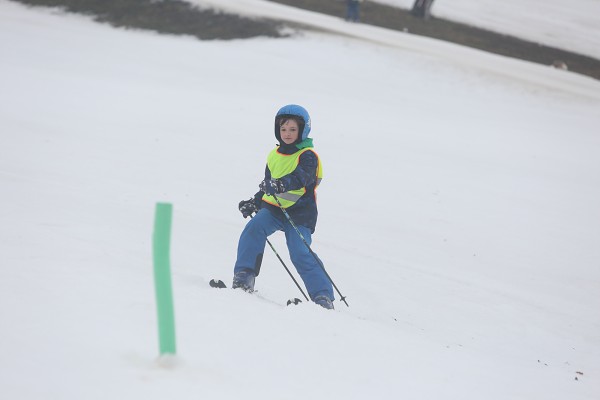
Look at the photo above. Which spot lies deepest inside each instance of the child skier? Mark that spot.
(292, 175)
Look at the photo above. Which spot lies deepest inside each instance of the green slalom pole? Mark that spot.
(162, 277)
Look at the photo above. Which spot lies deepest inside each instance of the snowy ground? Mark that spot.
(572, 25)
(458, 214)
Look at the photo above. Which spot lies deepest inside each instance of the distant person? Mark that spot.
(292, 175)
(421, 9)
(353, 10)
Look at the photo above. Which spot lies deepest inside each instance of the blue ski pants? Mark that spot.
(252, 246)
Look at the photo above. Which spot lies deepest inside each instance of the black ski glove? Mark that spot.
(272, 186)
(247, 207)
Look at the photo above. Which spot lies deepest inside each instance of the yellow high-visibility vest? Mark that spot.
(283, 164)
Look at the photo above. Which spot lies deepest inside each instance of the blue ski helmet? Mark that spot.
(295, 111)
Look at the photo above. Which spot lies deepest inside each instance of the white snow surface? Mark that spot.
(572, 25)
(458, 214)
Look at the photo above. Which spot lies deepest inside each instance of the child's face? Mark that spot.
(289, 131)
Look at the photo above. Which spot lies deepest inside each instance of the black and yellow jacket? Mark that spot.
(299, 168)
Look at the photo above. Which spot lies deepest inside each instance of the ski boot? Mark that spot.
(244, 280)
(324, 302)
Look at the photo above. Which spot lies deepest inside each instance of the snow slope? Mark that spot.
(572, 25)
(463, 57)
(468, 248)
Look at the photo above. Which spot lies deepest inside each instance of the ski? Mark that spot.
(295, 301)
(219, 284)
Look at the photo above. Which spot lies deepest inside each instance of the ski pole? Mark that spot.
(342, 298)
(286, 268)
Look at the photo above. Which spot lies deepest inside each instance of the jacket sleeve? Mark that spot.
(259, 195)
(305, 173)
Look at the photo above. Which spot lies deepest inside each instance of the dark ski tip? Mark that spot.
(217, 283)
(295, 301)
